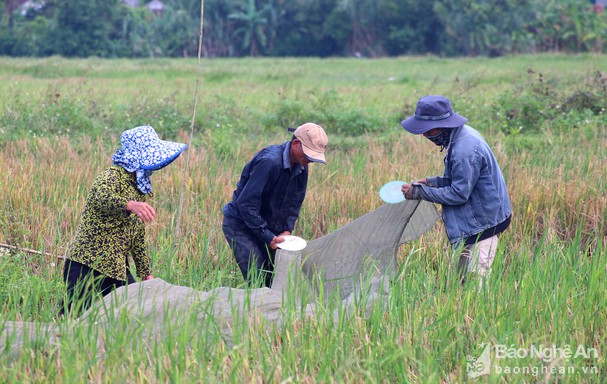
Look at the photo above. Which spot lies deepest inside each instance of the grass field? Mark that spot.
(543, 116)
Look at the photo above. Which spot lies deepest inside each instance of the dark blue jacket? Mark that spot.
(269, 195)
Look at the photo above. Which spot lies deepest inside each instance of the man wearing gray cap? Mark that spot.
(268, 198)
(475, 203)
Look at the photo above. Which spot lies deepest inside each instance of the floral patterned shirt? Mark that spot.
(108, 234)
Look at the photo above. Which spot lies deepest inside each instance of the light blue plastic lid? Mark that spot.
(391, 192)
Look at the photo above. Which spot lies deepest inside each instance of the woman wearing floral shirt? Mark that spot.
(112, 225)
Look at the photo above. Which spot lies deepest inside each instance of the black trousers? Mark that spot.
(84, 284)
(255, 259)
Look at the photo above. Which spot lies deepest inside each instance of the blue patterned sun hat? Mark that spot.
(143, 152)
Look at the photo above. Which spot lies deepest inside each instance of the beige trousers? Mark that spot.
(477, 258)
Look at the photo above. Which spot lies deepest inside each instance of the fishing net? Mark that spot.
(357, 260)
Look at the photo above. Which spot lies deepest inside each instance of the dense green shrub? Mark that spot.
(82, 113)
(540, 102)
(328, 109)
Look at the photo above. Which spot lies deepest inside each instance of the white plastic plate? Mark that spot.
(292, 243)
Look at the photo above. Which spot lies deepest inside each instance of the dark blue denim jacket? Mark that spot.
(472, 190)
(269, 195)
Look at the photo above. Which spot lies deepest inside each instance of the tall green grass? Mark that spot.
(60, 125)
(424, 333)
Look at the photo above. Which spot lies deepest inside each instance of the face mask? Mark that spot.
(441, 139)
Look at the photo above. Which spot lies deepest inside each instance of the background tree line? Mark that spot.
(232, 28)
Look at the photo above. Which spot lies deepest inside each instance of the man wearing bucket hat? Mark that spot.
(112, 227)
(268, 198)
(475, 203)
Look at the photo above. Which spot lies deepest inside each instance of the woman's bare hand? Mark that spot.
(143, 210)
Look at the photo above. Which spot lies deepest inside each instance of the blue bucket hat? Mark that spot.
(432, 111)
(143, 152)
